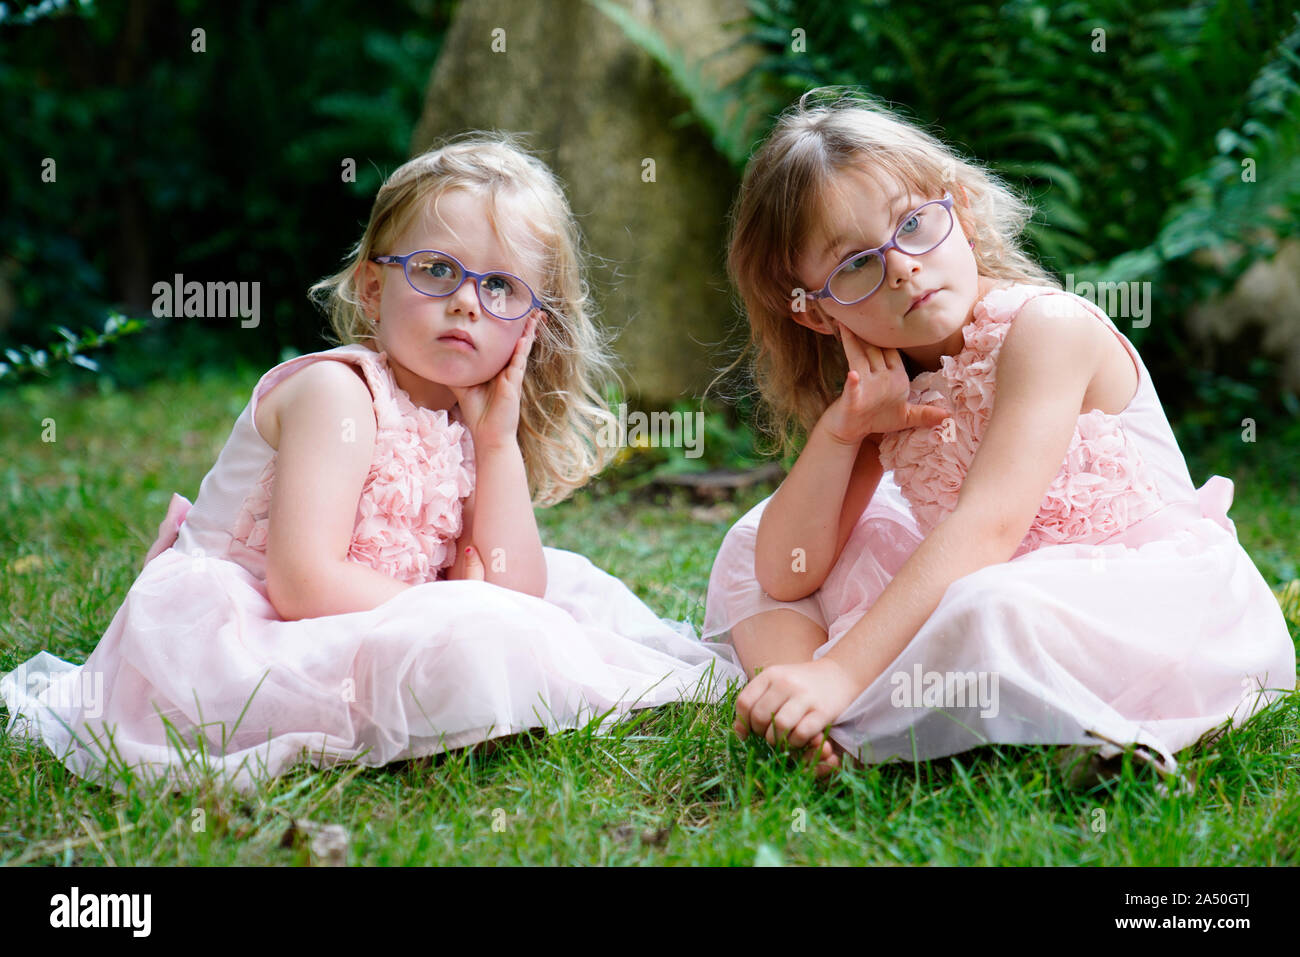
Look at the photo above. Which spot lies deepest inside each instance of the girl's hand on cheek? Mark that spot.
(874, 399)
(491, 410)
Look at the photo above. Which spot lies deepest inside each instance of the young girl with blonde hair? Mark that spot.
(990, 534)
(361, 576)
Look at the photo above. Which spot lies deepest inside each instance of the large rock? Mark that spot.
(1266, 295)
(595, 107)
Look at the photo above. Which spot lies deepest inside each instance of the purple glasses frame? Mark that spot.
(825, 291)
(404, 261)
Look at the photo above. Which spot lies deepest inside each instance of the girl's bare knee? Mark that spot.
(777, 637)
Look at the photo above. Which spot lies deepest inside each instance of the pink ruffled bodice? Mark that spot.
(1103, 487)
(409, 515)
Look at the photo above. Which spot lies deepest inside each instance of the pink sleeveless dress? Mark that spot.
(196, 669)
(1129, 614)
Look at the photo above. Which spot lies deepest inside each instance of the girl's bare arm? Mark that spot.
(810, 517)
(499, 522)
(1044, 369)
(326, 441)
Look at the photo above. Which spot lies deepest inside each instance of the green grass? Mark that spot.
(668, 786)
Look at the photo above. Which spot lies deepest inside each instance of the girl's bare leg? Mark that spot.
(783, 637)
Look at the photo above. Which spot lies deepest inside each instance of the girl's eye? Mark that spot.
(498, 285)
(853, 265)
(916, 218)
(437, 268)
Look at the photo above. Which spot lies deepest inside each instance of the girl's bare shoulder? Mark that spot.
(311, 385)
(1066, 329)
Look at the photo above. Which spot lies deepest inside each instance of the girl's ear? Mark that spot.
(369, 283)
(812, 317)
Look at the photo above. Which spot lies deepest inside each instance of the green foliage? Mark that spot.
(1105, 141)
(30, 13)
(1241, 204)
(1131, 153)
(26, 362)
(223, 164)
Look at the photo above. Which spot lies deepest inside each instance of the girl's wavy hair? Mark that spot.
(566, 432)
(799, 372)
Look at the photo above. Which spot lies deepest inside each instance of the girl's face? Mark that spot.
(863, 213)
(412, 325)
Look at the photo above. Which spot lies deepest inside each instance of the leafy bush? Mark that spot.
(1130, 142)
(131, 156)
(27, 362)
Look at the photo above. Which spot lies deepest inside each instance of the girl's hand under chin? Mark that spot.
(874, 399)
(491, 410)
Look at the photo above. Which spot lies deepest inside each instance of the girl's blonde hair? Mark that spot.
(565, 426)
(799, 372)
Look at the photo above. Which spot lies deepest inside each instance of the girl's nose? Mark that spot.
(465, 299)
(900, 264)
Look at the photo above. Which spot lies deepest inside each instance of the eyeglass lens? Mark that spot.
(926, 228)
(503, 295)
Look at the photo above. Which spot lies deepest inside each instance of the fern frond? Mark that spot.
(723, 111)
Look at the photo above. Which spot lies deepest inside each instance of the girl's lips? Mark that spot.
(928, 296)
(456, 343)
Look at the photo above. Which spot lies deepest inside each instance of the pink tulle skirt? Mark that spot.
(198, 675)
(1152, 637)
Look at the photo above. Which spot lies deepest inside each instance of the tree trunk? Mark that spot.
(596, 109)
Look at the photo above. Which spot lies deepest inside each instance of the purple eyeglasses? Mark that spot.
(438, 274)
(862, 273)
